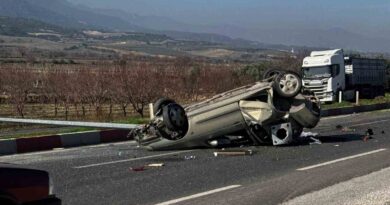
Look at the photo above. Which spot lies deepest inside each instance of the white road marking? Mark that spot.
(132, 159)
(341, 159)
(369, 123)
(174, 201)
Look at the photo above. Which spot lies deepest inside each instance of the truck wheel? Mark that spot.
(271, 73)
(287, 84)
(372, 92)
(160, 103)
(379, 91)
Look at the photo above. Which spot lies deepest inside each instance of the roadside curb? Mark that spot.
(355, 109)
(33, 144)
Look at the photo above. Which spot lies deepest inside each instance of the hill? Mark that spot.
(29, 27)
(62, 13)
(65, 14)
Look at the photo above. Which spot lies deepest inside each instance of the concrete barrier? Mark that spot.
(80, 139)
(32, 144)
(113, 135)
(8, 147)
(37, 143)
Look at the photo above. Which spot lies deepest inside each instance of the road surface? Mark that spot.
(103, 174)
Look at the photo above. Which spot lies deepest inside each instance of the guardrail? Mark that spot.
(70, 123)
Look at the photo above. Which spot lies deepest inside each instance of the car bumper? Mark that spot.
(51, 200)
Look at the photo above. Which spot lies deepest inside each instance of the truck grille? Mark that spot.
(318, 90)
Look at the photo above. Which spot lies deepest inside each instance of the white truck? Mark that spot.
(327, 72)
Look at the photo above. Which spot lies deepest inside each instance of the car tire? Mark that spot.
(287, 84)
(271, 73)
(159, 104)
(175, 118)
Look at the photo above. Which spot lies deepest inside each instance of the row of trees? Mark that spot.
(128, 84)
(121, 85)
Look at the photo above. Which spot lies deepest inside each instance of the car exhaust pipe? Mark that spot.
(220, 142)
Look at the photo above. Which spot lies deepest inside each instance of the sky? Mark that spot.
(368, 17)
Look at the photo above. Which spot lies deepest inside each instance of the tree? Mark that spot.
(18, 86)
(256, 70)
(143, 87)
(119, 89)
(52, 89)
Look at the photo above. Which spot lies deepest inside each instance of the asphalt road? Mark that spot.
(103, 174)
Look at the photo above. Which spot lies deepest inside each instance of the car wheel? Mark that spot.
(287, 84)
(271, 73)
(160, 103)
(175, 118)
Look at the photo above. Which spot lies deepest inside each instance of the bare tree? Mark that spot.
(121, 82)
(19, 85)
(142, 88)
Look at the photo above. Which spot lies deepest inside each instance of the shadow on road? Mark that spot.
(331, 139)
(340, 138)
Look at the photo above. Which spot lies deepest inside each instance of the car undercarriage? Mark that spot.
(271, 111)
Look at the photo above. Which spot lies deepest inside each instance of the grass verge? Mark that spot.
(377, 100)
(43, 131)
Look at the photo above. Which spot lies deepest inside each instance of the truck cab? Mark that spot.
(323, 72)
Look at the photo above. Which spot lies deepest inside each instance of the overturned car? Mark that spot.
(271, 111)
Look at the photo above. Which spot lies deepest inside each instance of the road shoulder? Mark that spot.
(371, 189)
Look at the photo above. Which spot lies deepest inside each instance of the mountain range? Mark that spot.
(66, 14)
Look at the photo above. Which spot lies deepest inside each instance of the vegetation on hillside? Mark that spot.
(27, 27)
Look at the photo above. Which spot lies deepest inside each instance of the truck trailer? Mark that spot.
(326, 73)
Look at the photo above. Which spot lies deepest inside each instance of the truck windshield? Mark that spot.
(320, 71)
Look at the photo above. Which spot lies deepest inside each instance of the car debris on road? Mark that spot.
(369, 132)
(345, 129)
(308, 134)
(189, 157)
(145, 167)
(311, 136)
(138, 169)
(233, 153)
(271, 111)
(315, 141)
(156, 165)
(368, 135)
